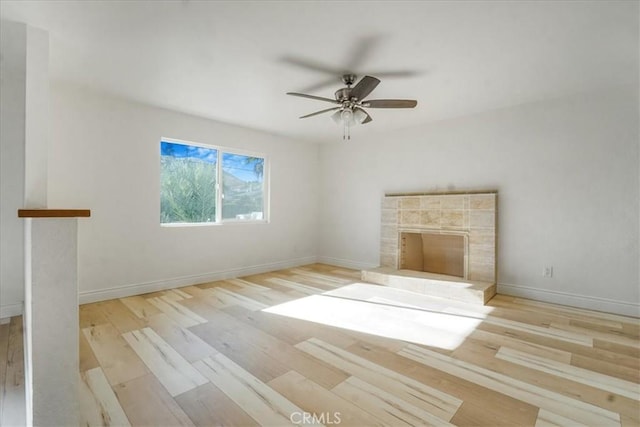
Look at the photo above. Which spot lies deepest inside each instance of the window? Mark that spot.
(194, 189)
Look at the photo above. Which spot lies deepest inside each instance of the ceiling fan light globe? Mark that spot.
(347, 116)
(359, 116)
(337, 117)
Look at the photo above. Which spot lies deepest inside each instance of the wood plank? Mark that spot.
(260, 401)
(262, 354)
(147, 403)
(118, 361)
(175, 294)
(551, 401)
(315, 399)
(176, 311)
(607, 368)
(247, 284)
(479, 356)
(140, 306)
(98, 404)
(206, 405)
(185, 342)
(308, 290)
(384, 405)
(619, 339)
(413, 392)
(574, 311)
(232, 298)
(590, 378)
(291, 332)
(120, 316)
(481, 405)
(536, 349)
(329, 279)
(549, 419)
(555, 333)
(202, 295)
(172, 370)
(87, 358)
(13, 400)
(593, 352)
(91, 315)
(4, 349)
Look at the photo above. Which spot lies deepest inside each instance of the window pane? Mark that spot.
(242, 179)
(188, 183)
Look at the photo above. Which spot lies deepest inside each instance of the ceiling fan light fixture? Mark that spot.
(359, 116)
(347, 116)
(351, 103)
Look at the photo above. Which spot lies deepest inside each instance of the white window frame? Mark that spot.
(266, 184)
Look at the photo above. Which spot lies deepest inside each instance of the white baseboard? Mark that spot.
(161, 285)
(346, 263)
(581, 301)
(10, 310)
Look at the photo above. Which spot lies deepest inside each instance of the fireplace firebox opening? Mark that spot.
(433, 253)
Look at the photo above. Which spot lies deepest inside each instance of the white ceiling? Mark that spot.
(234, 61)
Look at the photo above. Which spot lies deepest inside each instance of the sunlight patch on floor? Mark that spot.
(385, 312)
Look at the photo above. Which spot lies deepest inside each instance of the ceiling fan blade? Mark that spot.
(320, 112)
(319, 98)
(312, 65)
(367, 119)
(390, 103)
(364, 87)
(397, 73)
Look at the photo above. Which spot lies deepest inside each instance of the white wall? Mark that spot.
(105, 156)
(567, 175)
(24, 71)
(12, 118)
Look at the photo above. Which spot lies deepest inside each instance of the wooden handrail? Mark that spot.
(53, 213)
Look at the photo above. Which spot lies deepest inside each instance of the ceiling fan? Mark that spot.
(351, 103)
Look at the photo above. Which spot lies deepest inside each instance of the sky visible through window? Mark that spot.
(235, 164)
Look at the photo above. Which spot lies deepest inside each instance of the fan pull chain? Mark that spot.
(346, 131)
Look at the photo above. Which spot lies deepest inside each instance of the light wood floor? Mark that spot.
(237, 353)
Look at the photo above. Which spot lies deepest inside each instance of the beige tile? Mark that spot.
(482, 219)
(390, 203)
(482, 254)
(389, 232)
(410, 203)
(389, 216)
(388, 246)
(480, 238)
(482, 272)
(452, 218)
(452, 202)
(410, 217)
(430, 202)
(430, 217)
(387, 260)
(482, 201)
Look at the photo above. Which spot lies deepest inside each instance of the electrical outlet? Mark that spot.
(547, 272)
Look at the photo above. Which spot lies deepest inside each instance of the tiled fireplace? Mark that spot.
(448, 236)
